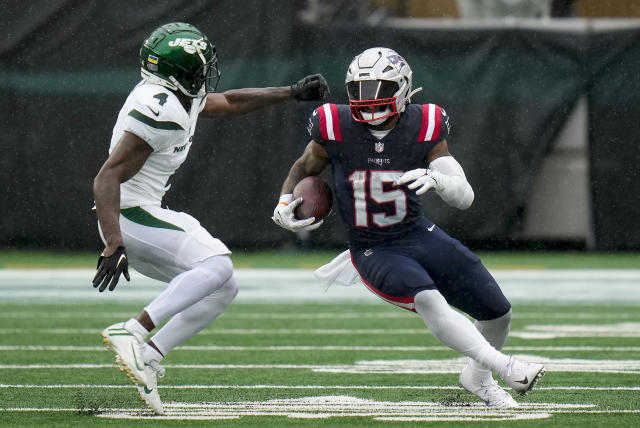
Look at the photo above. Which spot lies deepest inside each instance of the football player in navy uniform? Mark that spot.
(151, 139)
(384, 153)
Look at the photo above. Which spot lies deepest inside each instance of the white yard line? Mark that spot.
(396, 366)
(322, 407)
(541, 331)
(278, 348)
(313, 387)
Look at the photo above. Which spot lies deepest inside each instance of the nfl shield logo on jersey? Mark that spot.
(379, 147)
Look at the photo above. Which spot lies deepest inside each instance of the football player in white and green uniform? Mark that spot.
(151, 139)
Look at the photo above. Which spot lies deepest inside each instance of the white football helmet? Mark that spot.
(379, 85)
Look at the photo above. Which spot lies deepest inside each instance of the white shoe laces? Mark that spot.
(156, 367)
(494, 393)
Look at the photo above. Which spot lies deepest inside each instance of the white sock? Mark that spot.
(496, 332)
(191, 321)
(135, 328)
(456, 331)
(190, 287)
(151, 354)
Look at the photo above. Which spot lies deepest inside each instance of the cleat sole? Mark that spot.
(122, 365)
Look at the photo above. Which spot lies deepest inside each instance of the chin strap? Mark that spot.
(174, 85)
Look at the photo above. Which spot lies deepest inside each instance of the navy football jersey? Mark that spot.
(364, 168)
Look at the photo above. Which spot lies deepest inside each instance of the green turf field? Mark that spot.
(279, 364)
(355, 365)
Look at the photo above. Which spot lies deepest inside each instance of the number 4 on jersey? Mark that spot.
(376, 181)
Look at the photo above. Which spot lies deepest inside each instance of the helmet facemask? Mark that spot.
(202, 81)
(372, 101)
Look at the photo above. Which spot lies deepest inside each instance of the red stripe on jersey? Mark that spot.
(425, 121)
(438, 117)
(323, 123)
(336, 122)
(427, 134)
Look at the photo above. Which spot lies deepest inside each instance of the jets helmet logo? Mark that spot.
(190, 46)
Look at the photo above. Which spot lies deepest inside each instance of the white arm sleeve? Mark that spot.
(452, 185)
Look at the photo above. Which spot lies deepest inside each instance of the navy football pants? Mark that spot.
(427, 260)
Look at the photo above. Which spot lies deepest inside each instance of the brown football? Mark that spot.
(317, 198)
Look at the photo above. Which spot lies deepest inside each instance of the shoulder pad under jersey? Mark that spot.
(324, 123)
(434, 124)
(157, 107)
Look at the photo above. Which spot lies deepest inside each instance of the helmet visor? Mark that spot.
(371, 89)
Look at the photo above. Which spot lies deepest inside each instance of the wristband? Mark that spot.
(285, 199)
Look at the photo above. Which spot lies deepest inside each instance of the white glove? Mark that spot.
(425, 179)
(283, 215)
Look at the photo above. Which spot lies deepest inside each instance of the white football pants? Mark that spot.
(173, 247)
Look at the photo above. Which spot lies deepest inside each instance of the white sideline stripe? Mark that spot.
(332, 315)
(542, 331)
(287, 285)
(337, 387)
(329, 348)
(236, 331)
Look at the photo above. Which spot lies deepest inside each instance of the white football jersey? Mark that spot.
(154, 113)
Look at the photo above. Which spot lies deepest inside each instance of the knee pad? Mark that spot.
(228, 291)
(217, 269)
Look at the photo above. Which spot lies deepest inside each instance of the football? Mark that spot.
(317, 198)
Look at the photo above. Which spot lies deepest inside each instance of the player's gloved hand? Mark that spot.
(310, 88)
(424, 179)
(283, 215)
(110, 268)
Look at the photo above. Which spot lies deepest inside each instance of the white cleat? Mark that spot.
(149, 392)
(129, 351)
(487, 389)
(522, 376)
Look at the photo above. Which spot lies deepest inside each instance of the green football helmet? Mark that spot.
(180, 57)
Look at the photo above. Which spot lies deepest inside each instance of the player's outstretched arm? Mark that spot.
(124, 162)
(241, 101)
(312, 162)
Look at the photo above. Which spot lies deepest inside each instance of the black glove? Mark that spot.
(110, 268)
(311, 88)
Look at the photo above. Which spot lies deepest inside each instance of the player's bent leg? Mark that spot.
(496, 330)
(192, 320)
(180, 328)
(190, 287)
(171, 247)
(457, 332)
(475, 376)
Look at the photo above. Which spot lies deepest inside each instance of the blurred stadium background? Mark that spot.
(544, 97)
